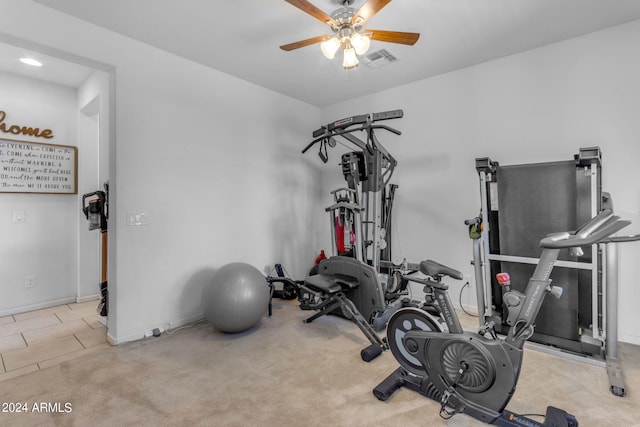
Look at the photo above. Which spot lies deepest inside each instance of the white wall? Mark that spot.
(214, 162)
(537, 106)
(44, 245)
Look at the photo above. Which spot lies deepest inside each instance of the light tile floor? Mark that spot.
(43, 338)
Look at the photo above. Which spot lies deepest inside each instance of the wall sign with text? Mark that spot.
(33, 167)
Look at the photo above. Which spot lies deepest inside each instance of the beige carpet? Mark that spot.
(284, 373)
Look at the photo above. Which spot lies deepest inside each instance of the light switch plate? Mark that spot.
(18, 216)
(135, 219)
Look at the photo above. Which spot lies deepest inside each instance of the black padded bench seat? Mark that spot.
(345, 286)
(329, 284)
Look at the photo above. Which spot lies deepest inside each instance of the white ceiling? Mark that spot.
(242, 37)
(54, 70)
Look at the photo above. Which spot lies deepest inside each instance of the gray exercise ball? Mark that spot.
(236, 298)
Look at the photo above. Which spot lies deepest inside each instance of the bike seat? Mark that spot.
(432, 268)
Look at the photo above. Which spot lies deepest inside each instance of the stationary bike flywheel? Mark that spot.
(401, 322)
(478, 370)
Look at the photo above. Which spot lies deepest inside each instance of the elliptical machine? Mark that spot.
(476, 373)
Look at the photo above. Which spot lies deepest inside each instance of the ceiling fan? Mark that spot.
(348, 33)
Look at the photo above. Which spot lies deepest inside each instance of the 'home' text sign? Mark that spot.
(32, 167)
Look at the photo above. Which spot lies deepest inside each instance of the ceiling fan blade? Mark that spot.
(307, 7)
(370, 8)
(393, 36)
(303, 43)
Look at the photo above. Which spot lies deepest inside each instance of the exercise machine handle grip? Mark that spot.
(570, 241)
(390, 129)
(597, 230)
(341, 126)
(311, 144)
(594, 223)
(351, 206)
(621, 239)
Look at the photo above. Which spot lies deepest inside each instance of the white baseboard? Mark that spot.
(630, 339)
(80, 300)
(110, 339)
(39, 306)
(164, 326)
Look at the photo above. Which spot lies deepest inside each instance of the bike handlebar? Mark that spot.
(596, 222)
(597, 230)
(622, 239)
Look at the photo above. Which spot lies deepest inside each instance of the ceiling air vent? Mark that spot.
(378, 58)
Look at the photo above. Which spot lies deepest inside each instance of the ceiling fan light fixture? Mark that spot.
(350, 59)
(360, 43)
(349, 34)
(330, 47)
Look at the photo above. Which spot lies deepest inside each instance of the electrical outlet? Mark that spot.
(30, 281)
(156, 332)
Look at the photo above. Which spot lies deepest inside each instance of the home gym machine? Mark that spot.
(360, 217)
(95, 207)
(520, 204)
(476, 373)
(358, 281)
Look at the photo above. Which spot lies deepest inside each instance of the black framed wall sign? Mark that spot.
(34, 167)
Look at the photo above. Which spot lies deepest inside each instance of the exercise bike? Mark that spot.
(476, 373)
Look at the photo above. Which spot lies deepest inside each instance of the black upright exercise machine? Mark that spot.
(360, 216)
(348, 283)
(476, 373)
